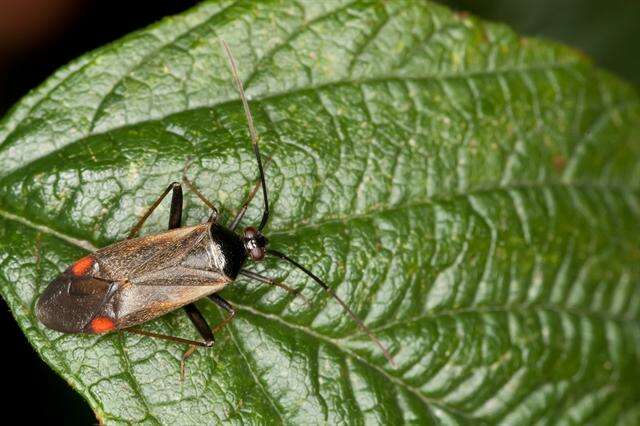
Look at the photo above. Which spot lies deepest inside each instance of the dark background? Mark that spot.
(39, 36)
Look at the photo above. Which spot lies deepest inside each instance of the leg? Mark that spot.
(198, 321)
(175, 217)
(227, 307)
(203, 328)
(166, 337)
(214, 211)
(175, 214)
(200, 324)
(273, 282)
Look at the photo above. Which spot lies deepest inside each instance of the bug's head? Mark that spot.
(77, 301)
(255, 243)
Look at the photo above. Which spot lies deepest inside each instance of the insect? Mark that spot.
(141, 278)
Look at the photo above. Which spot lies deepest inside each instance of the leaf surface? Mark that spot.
(472, 195)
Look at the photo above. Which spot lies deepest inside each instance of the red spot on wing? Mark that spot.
(102, 324)
(82, 266)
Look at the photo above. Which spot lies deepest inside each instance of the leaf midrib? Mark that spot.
(518, 186)
(383, 209)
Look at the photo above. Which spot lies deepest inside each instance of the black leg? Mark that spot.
(227, 307)
(175, 214)
(200, 324)
(273, 282)
(203, 328)
(176, 209)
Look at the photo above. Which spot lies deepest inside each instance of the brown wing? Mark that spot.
(129, 259)
(159, 273)
(177, 287)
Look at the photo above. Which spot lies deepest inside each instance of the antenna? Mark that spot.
(326, 288)
(252, 131)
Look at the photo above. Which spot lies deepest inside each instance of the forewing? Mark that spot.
(131, 258)
(159, 292)
(160, 273)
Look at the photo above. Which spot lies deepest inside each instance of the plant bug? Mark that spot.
(141, 278)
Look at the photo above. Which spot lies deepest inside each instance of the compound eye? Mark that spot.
(257, 253)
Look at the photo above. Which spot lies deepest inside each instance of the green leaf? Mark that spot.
(473, 196)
